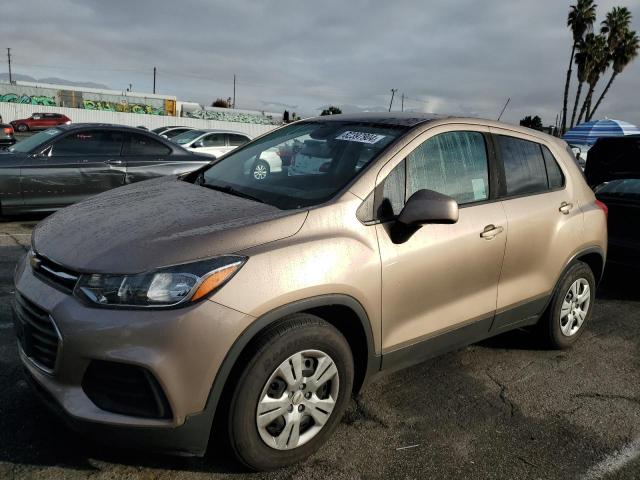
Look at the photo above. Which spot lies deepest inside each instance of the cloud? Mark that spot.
(466, 56)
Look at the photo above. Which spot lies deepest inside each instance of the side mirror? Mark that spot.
(198, 144)
(427, 206)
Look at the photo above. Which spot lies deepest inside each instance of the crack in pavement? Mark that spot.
(513, 408)
(604, 396)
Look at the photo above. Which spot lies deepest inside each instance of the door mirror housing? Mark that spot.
(198, 144)
(426, 206)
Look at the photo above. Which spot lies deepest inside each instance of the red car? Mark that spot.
(40, 121)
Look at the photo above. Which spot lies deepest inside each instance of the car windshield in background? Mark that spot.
(627, 188)
(187, 137)
(28, 145)
(303, 164)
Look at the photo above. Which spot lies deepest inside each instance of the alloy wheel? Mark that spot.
(575, 307)
(260, 172)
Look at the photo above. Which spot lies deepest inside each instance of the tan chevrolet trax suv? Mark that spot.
(267, 301)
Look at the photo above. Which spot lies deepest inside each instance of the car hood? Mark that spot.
(156, 223)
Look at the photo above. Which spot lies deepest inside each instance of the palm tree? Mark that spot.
(597, 63)
(580, 21)
(626, 51)
(582, 60)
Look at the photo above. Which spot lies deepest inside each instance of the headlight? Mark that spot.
(164, 287)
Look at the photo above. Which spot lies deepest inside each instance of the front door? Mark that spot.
(443, 277)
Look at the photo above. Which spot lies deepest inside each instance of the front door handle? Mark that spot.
(565, 208)
(490, 232)
(114, 162)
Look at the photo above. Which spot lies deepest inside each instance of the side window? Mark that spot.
(524, 167)
(88, 142)
(143, 145)
(453, 163)
(554, 174)
(237, 140)
(391, 193)
(213, 140)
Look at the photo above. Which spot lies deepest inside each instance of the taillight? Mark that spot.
(8, 130)
(604, 208)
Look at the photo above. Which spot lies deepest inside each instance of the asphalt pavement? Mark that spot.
(502, 409)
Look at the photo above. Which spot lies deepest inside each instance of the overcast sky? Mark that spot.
(447, 56)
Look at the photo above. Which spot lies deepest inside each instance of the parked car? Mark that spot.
(7, 137)
(613, 169)
(146, 312)
(613, 158)
(170, 132)
(66, 164)
(211, 142)
(40, 121)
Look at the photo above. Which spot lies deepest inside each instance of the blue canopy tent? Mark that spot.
(587, 133)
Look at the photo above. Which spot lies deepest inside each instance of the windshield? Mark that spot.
(303, 164)
(28, 145)
(187, 137)
(159, 129)
(628, 188)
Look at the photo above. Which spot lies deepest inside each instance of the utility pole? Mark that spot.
(9, 58)
(402, 102)
(393, 92)
(154, 79)
(234, 91)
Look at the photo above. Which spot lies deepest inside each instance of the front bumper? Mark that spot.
(182, 348)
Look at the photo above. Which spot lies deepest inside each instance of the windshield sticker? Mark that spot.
(361, 137)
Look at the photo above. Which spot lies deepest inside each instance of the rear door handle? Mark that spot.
(490, 232)
(565, 208)
(114, 162)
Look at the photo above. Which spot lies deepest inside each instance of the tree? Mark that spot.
(597, 63)
(331, 111)
(580, 21)
(583, 61)
(532, 122)
(220, 103)
(622, 45)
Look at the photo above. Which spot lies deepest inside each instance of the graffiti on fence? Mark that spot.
(231, 117)
(125, 107)
(28, 99)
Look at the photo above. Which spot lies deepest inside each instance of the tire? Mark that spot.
(260, 170)
(323, 352)
(570, 309)
(22, 127)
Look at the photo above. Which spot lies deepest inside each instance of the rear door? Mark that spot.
(214, 144)
(235, 140)
(544, 223)
(99, 159)
(146, 157)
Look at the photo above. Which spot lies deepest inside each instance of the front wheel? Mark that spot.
(570, 308)
(291, 394)
(22, 127)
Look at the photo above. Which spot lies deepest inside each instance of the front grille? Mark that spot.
(53, 273)
(125, 389)
(37, 333)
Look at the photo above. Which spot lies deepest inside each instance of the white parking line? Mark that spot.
(614, 462)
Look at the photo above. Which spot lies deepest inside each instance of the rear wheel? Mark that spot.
(260, 170)
(292, 393)
(570, 308)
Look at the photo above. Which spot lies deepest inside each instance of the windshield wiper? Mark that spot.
(232, 191)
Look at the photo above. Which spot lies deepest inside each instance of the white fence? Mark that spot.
(14, 111)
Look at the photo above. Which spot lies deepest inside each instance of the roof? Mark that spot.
(400, 119)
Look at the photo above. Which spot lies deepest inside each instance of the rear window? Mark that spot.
(554, 174)
(524, 165)
(144, 145)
